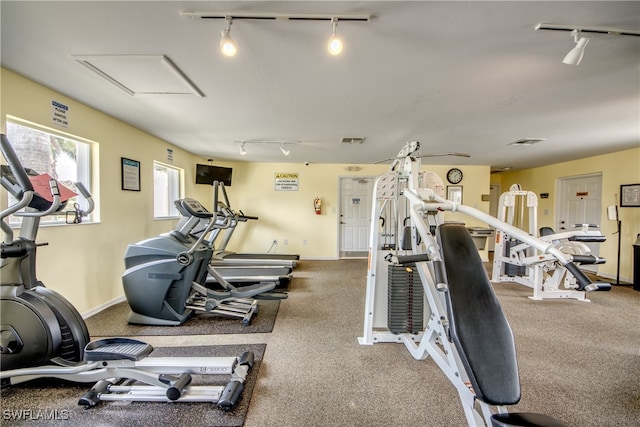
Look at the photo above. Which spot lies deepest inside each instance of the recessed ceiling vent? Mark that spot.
(352, 140)
(527, 141)
(141, 74)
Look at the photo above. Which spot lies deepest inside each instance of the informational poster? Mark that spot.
(59, 114)
(286, 181)
(130, 174)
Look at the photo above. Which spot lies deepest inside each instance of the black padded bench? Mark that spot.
(479, 329)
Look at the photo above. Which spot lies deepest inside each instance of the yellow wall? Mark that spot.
(85, 262)
(616, 168)
(289, 214)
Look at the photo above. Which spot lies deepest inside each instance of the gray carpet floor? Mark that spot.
(113, 322)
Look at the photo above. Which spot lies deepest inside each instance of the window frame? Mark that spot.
(87, 171)
(174, 191)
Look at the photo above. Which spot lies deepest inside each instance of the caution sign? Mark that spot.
(286, 181)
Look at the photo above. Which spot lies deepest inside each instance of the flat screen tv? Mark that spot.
(206, 174)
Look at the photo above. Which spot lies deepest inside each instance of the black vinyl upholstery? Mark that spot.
(478, 327)
(524, 420)
(546, 231)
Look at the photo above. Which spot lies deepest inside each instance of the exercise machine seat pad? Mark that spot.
(477, 325)
(525, 420)
(546, 231)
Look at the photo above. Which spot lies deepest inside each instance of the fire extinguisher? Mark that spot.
(317, 205)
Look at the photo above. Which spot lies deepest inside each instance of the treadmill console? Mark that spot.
(195, 208)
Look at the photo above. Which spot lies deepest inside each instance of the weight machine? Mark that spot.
(517, 261)
(437, 300)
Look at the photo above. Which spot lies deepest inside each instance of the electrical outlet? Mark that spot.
(304, 242)
(275, 242)
(286, 242)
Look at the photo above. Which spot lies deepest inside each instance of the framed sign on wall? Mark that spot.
(130, 174)
(630, 196)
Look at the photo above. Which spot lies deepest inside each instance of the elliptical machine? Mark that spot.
(166, 276)
(43, 336)
(29, 309)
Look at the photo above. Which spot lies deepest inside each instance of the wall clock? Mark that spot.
(454, 176)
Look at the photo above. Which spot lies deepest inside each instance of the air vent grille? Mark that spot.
(527, 141)
(353, 140)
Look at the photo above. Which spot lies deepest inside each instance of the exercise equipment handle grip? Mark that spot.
(87, 196)
(439, 272)
(582, 279)
(14, 163)
(408, 259)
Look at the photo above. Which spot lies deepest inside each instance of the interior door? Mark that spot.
(580, 203)
(355, 216)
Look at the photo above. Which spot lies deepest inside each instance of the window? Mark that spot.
(63, 157)
(167, 187)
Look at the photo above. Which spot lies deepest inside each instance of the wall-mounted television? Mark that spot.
(206, 174)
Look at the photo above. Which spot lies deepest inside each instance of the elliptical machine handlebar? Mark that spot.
(14, 163)
(55, 203)
(87, 196)
(23, 181)
(186, 257)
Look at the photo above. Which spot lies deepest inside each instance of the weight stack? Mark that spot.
(405, 300)
(512, 270)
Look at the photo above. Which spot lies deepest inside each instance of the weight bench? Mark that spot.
(480, 332)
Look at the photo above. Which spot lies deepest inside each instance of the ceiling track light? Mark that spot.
(335, 42)
(282, 144)
(227, 45)
(575, 55)
(229, 48)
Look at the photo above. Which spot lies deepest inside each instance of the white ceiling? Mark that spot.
(456, 76)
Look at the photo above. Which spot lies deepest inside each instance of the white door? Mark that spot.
(580, 203)
(355, 216)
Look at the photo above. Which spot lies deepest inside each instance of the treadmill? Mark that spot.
(222, 257)
(190, 210)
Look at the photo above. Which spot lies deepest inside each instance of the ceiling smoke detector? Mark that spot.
(527, 141)
(352, 140)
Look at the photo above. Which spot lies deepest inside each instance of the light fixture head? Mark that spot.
(284, 150)
(335, 42)
(575, 55)
(243, 151)
(227, 45)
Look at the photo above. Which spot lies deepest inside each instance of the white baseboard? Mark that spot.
(319, 258)
(101, 307)
(613, 278)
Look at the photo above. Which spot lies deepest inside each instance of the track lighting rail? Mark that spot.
(276, 16)
(587, 29)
